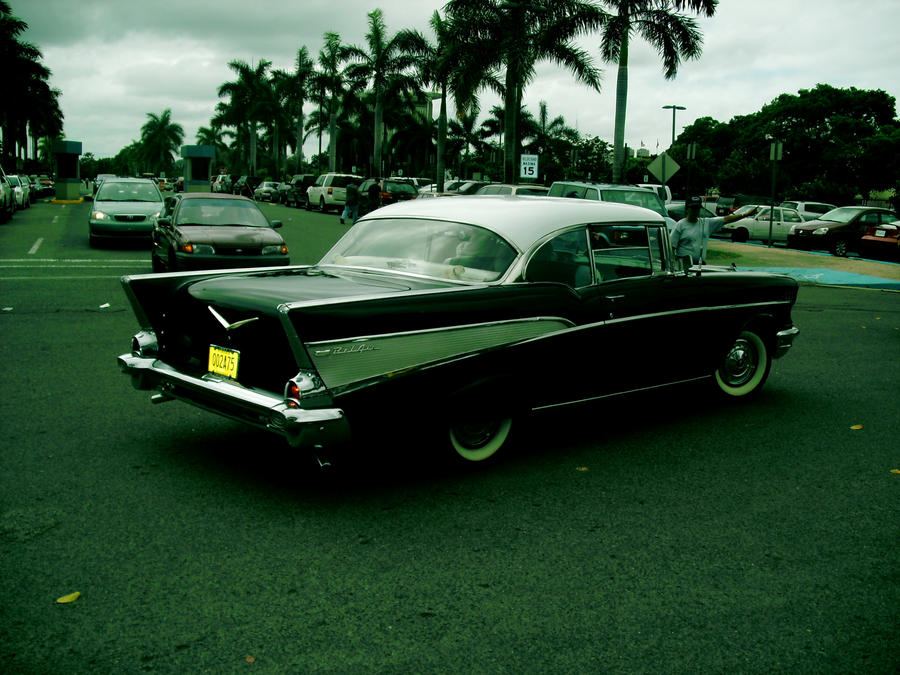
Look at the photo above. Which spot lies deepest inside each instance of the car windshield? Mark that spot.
(438, 249)
(128, 192)
(745, 209)
(13, 180)
(842, 214)
(644, 198)
(225, 212)
(269, 185)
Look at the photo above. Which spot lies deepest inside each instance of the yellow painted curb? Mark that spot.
(66, 201)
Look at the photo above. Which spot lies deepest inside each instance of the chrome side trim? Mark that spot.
(342, 362)
(618, 393)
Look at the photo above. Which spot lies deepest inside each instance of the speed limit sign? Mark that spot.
(528, 166)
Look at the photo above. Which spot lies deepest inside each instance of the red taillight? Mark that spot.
(292, 394)
(331, 191)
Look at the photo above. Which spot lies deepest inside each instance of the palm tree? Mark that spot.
(160, 138)
(515, 35)
(330, 82)
(384, 65)
(250, 101)
(675, 36)
(297, 90)
(440, 64)
(27, 101)
(214, 136)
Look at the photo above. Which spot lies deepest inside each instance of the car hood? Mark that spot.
(128, 208)
(230, 234)
(266, 291)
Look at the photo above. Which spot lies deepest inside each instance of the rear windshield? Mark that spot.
(343, 181)
(399, 188)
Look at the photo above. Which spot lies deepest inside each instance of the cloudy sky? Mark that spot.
(117, 60)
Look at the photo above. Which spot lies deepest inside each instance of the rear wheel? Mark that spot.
(740, 235)
(839, 248)
(476, 441)
(746, 366)
(322, 207)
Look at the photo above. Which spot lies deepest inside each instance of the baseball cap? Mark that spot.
(693, 201)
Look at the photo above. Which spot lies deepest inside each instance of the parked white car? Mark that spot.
(809, 210)
(7, 200)
(21, 190)
(330, 191)
(756, 224)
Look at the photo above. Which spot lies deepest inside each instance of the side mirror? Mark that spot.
(276, 224)
(163, 222)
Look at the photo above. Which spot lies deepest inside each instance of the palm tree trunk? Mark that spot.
(621, 100)
(442, 138)
(379, 121)
(299, 140)
(252, 148)
(332, 136)
(511, 116)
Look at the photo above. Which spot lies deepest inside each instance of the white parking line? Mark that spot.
(36, 246)
(55, 218)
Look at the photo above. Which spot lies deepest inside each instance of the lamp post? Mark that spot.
(673, 108)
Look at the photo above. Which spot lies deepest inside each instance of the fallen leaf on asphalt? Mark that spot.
(895, 470)
(856, 427)
(250, 659)
(71, 597)
(581, 468)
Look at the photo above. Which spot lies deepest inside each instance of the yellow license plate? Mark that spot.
(224, 361)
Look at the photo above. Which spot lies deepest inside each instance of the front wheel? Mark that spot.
(476, 441)
(746, 366)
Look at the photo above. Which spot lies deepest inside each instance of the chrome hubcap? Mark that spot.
(740, 364)
(476, 434)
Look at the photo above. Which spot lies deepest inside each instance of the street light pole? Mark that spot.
(673, 108)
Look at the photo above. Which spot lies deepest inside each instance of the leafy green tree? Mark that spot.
(514, 35)
(160, 140)
(297, 92)
(214, 136)
(675, 36)
(384, 66)
(552, 140)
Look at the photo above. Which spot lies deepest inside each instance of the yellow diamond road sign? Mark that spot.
(663, 167)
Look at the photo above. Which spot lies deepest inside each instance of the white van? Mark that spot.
(662, 190)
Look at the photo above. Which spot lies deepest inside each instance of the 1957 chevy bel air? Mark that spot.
(467, 312)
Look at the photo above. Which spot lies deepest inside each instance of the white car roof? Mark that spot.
(520, 220)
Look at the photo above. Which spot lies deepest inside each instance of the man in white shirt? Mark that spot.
(690, 236)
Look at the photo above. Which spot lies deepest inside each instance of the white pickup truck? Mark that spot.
(330, 191)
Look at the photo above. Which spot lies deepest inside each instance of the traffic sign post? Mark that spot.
(663, 167)
(528, 166)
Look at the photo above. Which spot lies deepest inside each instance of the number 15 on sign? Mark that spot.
(528, 166)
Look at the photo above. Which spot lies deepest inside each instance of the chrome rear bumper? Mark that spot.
(302, 428)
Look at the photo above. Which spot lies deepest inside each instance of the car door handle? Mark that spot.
(614, 297)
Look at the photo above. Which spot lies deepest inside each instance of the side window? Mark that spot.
(320, 180)
(504, 190)
(869, 218)
(792, 216)
(591, 193)
(563, 260)
(621, 251)
(763, 214)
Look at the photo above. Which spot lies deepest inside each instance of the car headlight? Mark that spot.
(275, 250)
(198, 249)
(820, 230)
(99, 215)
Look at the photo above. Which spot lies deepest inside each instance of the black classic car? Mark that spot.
(466, 312)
